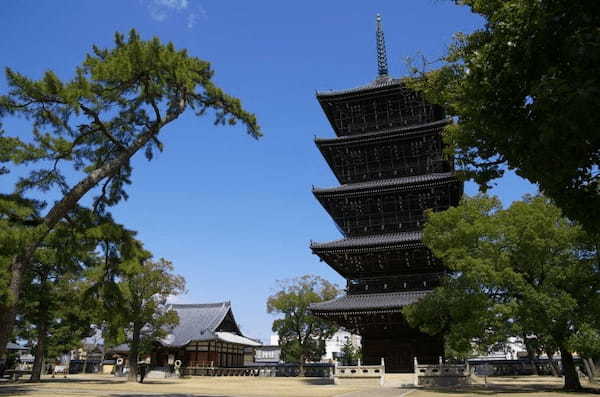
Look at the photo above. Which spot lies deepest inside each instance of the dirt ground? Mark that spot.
(517, 386)
(106, 385)
(109, 386)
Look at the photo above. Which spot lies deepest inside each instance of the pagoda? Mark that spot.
(388, 157)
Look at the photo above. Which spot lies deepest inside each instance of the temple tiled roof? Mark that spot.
(392, 239)
(196, 322)
(199, 322)
(377, 83)
(14, 346)
(405, 131)
(385, 183)
(391, 301)
(233, 338)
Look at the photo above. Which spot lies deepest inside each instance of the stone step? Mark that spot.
(399, 380)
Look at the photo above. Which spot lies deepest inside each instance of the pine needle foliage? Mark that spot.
(86, 130)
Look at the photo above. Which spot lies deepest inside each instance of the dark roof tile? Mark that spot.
(370, 241)
(196, 322)
(369, 302)
(401, 131)
(385, 183)
(378, 83)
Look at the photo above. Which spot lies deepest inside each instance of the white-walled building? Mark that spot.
(333, 345)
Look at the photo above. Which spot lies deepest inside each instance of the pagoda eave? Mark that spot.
(401, 132)
(374, 243)
(368, 303)
(385, 185)
(375, 86)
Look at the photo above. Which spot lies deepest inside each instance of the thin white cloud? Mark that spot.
(160, 10)
(197, 15)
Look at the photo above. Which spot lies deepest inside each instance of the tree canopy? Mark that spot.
(53, 314)
(86, 130)
(525, 90)
(525, 270)
(143, 316)
(301, 335)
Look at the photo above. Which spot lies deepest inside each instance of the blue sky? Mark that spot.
(232, 213)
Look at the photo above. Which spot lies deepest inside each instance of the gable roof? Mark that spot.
(368, 303)
(202, 322)
(196, 322)
(206, 321)
(14, 346)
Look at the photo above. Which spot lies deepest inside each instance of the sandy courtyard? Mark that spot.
(109, 386)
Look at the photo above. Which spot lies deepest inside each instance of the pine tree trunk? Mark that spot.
(301, 366)
(571, 378)
(133, 353)
(54, 215)
(38, 362)
(8, 309)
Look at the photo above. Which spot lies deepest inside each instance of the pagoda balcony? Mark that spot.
(376, 256)
(403, 282)
(387, 154)
(389, 206)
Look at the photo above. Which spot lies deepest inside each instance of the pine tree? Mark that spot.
(116, 105)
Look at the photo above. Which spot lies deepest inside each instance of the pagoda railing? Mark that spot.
(413, 282)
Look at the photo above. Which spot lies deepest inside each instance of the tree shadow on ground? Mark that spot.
(494, 389)
(14, 389)
(119, 381)
(163, 395)
(317, 381)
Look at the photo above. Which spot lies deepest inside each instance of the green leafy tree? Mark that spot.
(525, 92)
(525, 270)
(90, 127)
(301, 335)
(350, 353)
(143, 316)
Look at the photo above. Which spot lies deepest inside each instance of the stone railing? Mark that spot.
(358, 372)
(318, 370)
(441, 374)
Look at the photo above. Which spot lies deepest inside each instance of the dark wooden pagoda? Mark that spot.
(388, 159)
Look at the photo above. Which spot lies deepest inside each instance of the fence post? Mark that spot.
(382, 377)
(416, 364)
(335, 372)
(467, 371)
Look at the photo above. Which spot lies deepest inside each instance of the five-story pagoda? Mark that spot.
(388, 159)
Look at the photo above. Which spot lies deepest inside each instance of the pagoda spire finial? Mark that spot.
(382, 64)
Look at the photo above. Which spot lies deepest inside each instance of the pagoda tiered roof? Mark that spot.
(365, 243)
(389, 205)
(381, 82)
(390, 254)
(406, 132)
(402, 183)
(386, 154)
(365, 303)
(384, 104)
